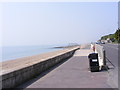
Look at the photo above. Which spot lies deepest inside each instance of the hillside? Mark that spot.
(107, 36)
(115, 38)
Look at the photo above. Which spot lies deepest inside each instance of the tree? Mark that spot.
(117, 35)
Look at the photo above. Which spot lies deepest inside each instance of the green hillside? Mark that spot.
(107, 36)
(115, 38)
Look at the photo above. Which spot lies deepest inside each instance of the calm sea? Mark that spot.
(9, 53)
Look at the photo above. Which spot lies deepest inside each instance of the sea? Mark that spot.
(14, 52)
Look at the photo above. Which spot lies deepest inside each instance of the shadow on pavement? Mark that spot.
(24, 85)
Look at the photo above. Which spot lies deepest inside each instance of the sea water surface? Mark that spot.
(14, 52)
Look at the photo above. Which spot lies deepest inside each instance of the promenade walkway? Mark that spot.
(73, 73)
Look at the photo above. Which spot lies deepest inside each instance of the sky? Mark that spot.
(56, 23)
(119, 14)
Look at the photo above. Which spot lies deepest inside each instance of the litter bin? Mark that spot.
(93, 62)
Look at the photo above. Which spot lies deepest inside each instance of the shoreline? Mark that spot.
(28, 55)
(15, 64)
(12, 55)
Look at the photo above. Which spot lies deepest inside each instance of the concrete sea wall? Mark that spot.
(14, 78)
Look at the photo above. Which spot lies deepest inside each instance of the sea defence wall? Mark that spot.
(16, 72)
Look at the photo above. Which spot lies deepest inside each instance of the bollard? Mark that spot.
(94, 48)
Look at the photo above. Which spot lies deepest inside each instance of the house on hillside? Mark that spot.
(109, 40)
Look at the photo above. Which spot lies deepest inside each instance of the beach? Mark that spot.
(12, 65)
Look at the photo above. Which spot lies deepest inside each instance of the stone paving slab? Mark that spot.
(74, 73)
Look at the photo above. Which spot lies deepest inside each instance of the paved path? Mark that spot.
(73, 73)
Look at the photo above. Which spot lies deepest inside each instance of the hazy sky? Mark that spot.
(57, 23)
